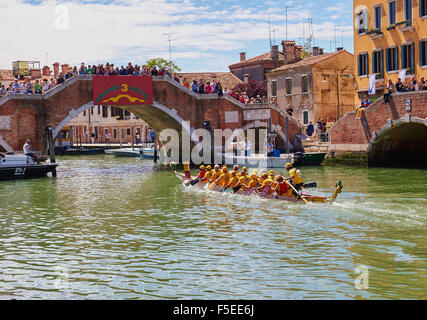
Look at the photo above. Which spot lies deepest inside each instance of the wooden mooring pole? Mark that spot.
(156, 144)
(51, 145)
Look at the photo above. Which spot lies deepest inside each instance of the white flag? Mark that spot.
(372, 89)
(402, 75)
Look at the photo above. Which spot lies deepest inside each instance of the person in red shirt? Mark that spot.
(208, 88)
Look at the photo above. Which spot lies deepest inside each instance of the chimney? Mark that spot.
(320, 51)
(275, 54)
(56, 69)
(298, 53)
(246, 78)
(242, 56)
(46, 71)
(316, 51)
(289, 50)
(340, 49)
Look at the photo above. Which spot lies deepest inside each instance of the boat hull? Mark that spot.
(309, 198)
(26, 172)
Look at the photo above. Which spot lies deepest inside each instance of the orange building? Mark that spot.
(389, 36)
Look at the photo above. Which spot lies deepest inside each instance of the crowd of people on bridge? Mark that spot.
(40, 86)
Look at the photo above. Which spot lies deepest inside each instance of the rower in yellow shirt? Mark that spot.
(234, 180)
(294, 177)
(236, 169)
(267, 185)
(224, 178)
(208, 175)
(243, 178)
(216, 173)
(244, 169)
(253, 182)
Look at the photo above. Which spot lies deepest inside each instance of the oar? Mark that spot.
(212, 185)
(310, 185)
(293, 188)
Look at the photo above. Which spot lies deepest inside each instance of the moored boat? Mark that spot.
(148, 152)
(124, 152)
(309, 198)
(14, 166)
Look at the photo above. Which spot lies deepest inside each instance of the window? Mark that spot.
(115, 133)
(305, 117)
(128, 131)
(423, 53)
(407, 12)
(289, 86)
(84, 129)
(362, 21)
(377, 17)
(304, 83)
(363, 64)
(91, 110)
(392, 12)
(84, 113)
(423, 8)
(274, 88)
(378, 64)
(99, 109)
(104, 111)
(407, 57)
(392, 59)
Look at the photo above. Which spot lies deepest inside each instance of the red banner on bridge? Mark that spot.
(122, 90)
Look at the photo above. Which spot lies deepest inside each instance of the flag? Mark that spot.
(402, 75)
(372, 89)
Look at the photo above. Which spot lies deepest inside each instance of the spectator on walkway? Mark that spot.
(208, 88)
(399, 85)
(365, 103)
(389, 91)
(310, 129)
(290, 111)
(219, 89)
(185, 83)
(38, 88)
(195, 87)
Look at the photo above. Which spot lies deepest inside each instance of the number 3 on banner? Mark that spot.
(124, 87)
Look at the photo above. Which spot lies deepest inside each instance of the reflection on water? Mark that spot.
(111, 228)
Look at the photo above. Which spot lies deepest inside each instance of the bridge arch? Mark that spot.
(158, 116)
(400, 143)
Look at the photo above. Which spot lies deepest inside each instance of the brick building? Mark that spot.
(6, 77)
(257, 67)
(122, 125)
(320, 86)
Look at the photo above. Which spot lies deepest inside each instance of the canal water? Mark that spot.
(111, 228)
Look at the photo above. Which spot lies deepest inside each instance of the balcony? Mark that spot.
(405, 26)
(375, 33)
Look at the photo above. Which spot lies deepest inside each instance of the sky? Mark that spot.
(207, 35)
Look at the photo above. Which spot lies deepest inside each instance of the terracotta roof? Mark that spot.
(227, 79)
(268, 56)
(7, 75)
(306, 62)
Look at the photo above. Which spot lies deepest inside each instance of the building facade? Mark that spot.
(389, 36)
(320, 86)
(257, 67)
(123, 126)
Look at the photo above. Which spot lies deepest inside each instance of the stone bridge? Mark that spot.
(394, 133)
(26, 116)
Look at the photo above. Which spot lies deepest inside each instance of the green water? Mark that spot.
(111, 228)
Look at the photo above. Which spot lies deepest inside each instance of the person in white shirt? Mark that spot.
(248, 147)
(27, 150)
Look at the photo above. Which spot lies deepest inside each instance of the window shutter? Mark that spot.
(382, 64)
(397, 57)
(412, 46)
(367, 63)
(402, 49)
(374, 64)
(358, 65)
(387, 57)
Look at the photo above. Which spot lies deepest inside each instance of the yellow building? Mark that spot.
(389, 36)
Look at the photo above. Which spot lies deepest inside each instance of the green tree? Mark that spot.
(161, 63)
(306, 50)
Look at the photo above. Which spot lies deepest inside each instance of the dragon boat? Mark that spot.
(303, 198)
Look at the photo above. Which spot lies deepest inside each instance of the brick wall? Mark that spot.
(348, 130)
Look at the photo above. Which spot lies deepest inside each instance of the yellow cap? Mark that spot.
(217, 166)
(244, 169)
(209, 167)
(288, 165)
(265, 174)
(202, 167)
(271, 173)
(224, 168)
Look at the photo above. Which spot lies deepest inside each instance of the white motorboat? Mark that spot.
(148, 152)
(15, 166)
(124, 152)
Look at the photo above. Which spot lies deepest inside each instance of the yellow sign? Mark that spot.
(21, 68)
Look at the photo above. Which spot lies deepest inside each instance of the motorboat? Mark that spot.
(148, 152)
(124, 152)
(18, 166)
